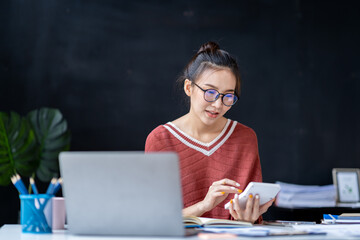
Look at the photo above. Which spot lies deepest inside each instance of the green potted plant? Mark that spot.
(30, 145)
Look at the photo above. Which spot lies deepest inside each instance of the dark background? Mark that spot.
(110, 67)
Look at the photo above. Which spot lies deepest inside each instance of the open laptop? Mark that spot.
(122, 193)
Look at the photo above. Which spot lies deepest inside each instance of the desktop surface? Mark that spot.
(13, 232)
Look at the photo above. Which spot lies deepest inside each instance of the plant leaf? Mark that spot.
(53, 136)
(17, 147)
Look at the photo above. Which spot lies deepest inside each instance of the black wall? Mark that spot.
(110, 67)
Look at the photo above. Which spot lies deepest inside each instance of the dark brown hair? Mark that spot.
(210, 56)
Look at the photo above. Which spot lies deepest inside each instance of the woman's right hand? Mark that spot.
(218, 192)
(252, 210)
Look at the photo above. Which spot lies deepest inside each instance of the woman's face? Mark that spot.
(224, 82)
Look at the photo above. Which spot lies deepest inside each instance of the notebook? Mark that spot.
(122, 193)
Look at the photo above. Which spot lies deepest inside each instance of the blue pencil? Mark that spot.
(57, 186)
(21, 184)
(50, 188)
(16, 183)
(33, 186)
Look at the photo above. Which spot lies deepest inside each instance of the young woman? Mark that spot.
(218, 156)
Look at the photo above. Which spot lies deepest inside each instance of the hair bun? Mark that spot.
(209, 46)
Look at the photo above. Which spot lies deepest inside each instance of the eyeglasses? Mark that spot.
(211, 95)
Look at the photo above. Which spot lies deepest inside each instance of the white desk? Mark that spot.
(13, 232)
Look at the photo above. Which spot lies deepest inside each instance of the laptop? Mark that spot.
(122, 193)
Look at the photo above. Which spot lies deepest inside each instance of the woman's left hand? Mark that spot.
(252, 211)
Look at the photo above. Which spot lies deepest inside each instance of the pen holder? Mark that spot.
(36, 213)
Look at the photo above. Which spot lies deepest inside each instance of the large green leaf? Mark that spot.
(53, 136)
(18, 150)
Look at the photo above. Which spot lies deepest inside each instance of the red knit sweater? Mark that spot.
(233, 155)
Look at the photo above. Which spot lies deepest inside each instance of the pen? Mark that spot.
(25, 191)
(33, 186)
(51, 186)
(57, 186)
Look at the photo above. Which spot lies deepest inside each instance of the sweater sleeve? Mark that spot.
(153, 141)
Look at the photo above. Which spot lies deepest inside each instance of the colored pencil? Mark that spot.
(33, 186)
(17, 185)
(57, 186)
(50, 188)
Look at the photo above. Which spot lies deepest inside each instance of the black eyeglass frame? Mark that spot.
(218, 95)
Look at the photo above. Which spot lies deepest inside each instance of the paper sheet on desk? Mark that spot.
(261, 231)
(352, 230)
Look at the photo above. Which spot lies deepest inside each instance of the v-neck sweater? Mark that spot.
(233, 154)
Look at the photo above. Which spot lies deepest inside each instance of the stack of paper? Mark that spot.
(264, 231)
(306, 196)
(334, 231)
